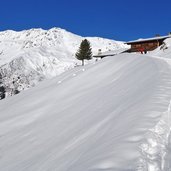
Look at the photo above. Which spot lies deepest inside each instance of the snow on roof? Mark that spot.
(112, 52)
(149, 39)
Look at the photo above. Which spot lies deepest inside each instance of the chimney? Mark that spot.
(157, 35)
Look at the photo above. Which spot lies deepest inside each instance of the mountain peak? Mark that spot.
(37, 54)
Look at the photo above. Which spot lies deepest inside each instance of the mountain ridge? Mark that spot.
(37, 54)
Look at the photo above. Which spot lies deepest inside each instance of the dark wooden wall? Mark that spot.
(148, 46)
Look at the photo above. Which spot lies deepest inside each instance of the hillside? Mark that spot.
(112, 115)
(164, 50)
(30, 56)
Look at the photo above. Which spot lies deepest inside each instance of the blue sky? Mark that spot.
(119, 20)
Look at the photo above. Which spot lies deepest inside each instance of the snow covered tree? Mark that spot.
(84, 51)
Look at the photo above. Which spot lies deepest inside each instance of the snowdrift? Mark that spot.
(112, 115)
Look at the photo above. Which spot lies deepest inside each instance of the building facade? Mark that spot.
(144, 45)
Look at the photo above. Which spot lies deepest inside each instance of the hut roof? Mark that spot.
(111, 53)
(148, 39)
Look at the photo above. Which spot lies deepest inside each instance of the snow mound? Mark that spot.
(90, 118)
(164, 50)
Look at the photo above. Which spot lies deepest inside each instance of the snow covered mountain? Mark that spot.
(30, 56)
(113, 115)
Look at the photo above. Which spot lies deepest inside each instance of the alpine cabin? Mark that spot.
(144, 45)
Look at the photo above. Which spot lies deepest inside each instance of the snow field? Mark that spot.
(96, 118)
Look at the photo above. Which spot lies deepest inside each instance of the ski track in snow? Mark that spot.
(168, 156)
(156, 147)
(168, 164)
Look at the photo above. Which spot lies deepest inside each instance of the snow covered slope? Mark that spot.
(164, 50)
(112, 116)
(30, 56)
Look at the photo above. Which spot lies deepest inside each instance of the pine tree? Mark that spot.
(2, 92)
(84, 51)
(2, 88)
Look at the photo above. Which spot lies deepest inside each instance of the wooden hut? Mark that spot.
(110, 53)
(144, 45)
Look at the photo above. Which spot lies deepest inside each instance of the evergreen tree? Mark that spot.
(0, 79)
(2, 88)
(2, 92)
(84, 51)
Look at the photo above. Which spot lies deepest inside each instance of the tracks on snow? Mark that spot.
(155, 148)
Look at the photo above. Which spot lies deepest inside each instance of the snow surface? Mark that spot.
(113, 115)
(164, 50)
(149, 39)
(112, 53)
(37, 54)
